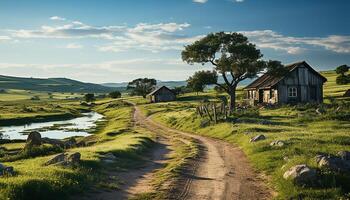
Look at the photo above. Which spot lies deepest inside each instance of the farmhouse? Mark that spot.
(301, 84)
(162, 94)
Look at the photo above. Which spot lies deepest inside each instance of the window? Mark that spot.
(292, 92)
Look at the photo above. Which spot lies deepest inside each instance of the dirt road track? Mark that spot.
(222, 171)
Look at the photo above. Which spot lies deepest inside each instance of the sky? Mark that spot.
(103, 41)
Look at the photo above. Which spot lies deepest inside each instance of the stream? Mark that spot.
(80, 126)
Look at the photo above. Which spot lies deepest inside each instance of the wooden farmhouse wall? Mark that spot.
(309, 86)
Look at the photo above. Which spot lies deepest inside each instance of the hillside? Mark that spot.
(50, 85)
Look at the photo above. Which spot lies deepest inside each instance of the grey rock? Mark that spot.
(301, 174)
(70, 143)
(344, 155)
(278, 143)
(6, 170)
(258, 138)
(110, 156)
(74, 158)
(333, 163)
(34, 139)
(56, 159)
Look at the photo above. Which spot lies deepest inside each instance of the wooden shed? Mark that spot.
(301, 84)
(162, 94)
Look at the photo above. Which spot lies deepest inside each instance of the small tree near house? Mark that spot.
(142, 86)
(232, 56)
(200, 79)
(342, 78)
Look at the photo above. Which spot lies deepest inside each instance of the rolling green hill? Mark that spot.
(51, 85)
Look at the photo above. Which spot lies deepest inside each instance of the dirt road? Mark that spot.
(222, 171)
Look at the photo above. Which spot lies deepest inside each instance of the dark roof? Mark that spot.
(157, 89)
(268, 81)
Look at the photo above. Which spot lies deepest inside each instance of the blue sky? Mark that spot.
(119, 40)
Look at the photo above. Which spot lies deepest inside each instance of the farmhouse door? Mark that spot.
(261, 96)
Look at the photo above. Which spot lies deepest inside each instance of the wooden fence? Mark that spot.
(214, 111)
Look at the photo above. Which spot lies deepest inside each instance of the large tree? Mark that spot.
(232, 56)
(142, 86)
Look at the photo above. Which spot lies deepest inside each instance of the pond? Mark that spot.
(80, 126)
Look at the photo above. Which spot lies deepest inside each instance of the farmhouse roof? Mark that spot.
(268, 81)
(158, 89)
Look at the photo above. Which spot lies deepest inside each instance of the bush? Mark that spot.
(343, 79)
(89, 97)
(115, 95)
(35, 98)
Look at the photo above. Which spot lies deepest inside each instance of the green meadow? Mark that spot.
(304, 132)
(33, 180)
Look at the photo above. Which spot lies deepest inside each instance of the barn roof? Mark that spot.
(158, 89)
(268, 81)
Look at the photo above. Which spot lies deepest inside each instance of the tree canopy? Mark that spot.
(141, 86)
(343, 78)
(232, 56)
(89, 97)
(115, 94)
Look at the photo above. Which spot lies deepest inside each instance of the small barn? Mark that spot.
(162, 94)
(302, 84)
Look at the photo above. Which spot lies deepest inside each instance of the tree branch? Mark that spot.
(225, 78)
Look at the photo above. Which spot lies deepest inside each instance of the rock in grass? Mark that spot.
(65, 159)
(74, 158)
(258, 138)
(56, 159)
(344, 155)
(6, 170)
(34, 139)
(301, 174)
(333, 163)
(278, 143)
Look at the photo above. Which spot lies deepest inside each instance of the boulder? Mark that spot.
(333, 163)
(70, 143)
(347, 93)
(65, 159)
(34, 139)
(278, 143)
(258, 138)
(301, 174)
(60, 158)
(6, 170)
(74, 158)
(110, 156)
(344, 155)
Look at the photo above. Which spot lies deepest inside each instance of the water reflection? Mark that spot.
(56, 129)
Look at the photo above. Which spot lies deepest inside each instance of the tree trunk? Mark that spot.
(232, 94)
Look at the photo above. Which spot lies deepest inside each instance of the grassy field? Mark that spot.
(33, 180)
(305, 133)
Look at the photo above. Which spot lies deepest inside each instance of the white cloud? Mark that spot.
(73, 46)
(4, 38)
(57, 18)
(239, 1)
(296, 45)
(200, 1)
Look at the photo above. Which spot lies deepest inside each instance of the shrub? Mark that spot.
(35, 98)
(115, 94)
(89, 97)
(343, 79)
